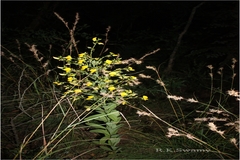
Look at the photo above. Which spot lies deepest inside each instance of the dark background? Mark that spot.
(136, 29)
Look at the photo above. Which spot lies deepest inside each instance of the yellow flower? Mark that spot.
(113, 74)
(93, 70)
(81, 55)
(67, 69)
(80, 61)
(124, 102)
(107, 80)
(131, 69)
(89, 98)
(108, 61)
(77, 91)
(89, 84)
(133, 77)
(113, 54)
(123, 94)
(145, 98)
(68, 58)
(57, 83)
(94, 39)
(129, 91)
(111, 88)
(70, 79)
(84, 67)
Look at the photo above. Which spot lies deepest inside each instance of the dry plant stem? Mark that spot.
(21, 96)
(15, 132)
(72, 123)
(167, 93)
(126, 120)
(73, 109)
(74, 158)
(26, 140)
(232, 78)
(185, 133)
(13, 55)
(148, 54)
(221, 84)
(53, 138)
(172, 57)
(43, 132)
(106, 40)
(71, 31)
(21, 99)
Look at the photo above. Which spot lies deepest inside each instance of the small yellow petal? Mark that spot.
(80, 61)
(68, 58)
(81, 55)
(112, 74)
(67, 69)
(89, 98)
(124, 102)
(84, 67)
(108, 61)
(93, 70)
(123, 94)
(133, 77)
(70, 79)
(77, 91)
(89, 84)
(130, 69)
(111, 88)
(145, 98)
(94, 39)
(57, 83)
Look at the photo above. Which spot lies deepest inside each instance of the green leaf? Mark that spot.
(114, 116)
(113, 141)
(99, 117)
(112, 130)
(106, 148)
(105, 132)
(111, 124)
(103, 140)
(95, 125)
(109, 107)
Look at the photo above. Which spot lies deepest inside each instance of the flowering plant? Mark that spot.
(100, 84)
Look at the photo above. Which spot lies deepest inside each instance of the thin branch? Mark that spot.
(172, 57)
